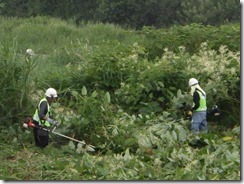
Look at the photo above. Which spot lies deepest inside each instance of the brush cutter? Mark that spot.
(28, 123)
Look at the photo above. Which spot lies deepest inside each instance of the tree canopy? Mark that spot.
(128, 13)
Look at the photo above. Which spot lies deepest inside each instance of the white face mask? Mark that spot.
(193, 89)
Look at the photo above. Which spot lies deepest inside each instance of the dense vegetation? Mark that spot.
(128, 13)
(120, 90)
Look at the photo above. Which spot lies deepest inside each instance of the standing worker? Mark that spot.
(199, 108)
(43, 118)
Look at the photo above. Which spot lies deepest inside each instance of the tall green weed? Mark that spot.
(117, 93)
(191, 37)
(46, 34)
(15, 83)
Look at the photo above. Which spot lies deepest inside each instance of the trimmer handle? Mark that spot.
(28, 123)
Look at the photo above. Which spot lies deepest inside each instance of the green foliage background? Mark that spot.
(128, 13)
(120, 90)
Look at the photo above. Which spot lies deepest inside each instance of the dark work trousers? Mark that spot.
(40, 136)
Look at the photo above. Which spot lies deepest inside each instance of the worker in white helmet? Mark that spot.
(199, 108)
(43, 117)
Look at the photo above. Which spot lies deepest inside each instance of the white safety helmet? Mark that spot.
(193, 81)
(51, 92)
(29, 52)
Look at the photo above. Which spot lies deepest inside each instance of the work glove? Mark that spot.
(56, 123)
(51, 121)
(189, 113)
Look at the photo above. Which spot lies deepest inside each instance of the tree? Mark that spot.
(212, 12)
(129, 13)
(138, 13)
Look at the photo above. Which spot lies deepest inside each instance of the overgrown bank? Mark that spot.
(123, 96)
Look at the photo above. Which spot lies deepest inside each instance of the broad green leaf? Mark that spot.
(166, 114)
(174, 135)
(107, 97)
(179, 93)
(161, 84)
(227, 138)
(79, 148)
(130, 142)
(182, 136)
(144, 142)
(71, 145)
(84, 91)
(127, 156)
(74, 93)
(94, 94)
